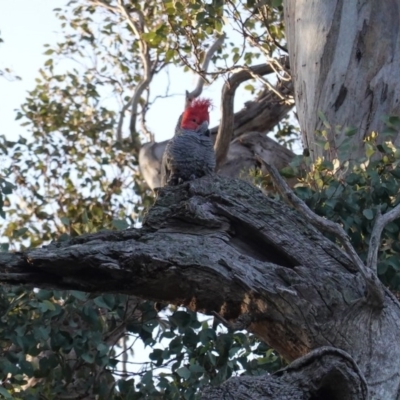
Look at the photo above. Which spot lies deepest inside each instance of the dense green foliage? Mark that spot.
(352, 192)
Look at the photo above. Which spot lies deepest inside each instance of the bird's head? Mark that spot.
(196, 115)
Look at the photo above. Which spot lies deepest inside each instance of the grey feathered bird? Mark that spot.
(190, 153)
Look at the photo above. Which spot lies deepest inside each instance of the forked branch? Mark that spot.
(225, 130)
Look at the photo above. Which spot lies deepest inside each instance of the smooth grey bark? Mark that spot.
(219, 245)
(345, 62)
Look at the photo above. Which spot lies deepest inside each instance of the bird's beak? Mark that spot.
(203, 128)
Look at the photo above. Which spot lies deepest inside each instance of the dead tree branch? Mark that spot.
(226, 126)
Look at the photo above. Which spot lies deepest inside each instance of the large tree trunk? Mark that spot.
(345, 62)
(219, 245)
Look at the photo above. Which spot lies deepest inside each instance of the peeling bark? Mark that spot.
(219, 245)
(345, 62)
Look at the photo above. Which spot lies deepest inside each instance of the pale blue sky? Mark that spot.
(26, 25)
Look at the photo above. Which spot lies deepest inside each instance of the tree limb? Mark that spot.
(263, 113)
(324, 373)
(217, 244)
(226, 125)
(137, 28)
(374, 243)
(375, 293)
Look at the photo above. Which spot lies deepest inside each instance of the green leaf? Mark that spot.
(322, 117)
(368, 213)
(4, 392)
(394, 121)
(102, 349)
(183, 372)
(180, 318)
(79, 295)
(20, 232)
(120, 224)
(206, 335)
(250, 88)
(47, 305)
(89, 358)
(350, 132)
(43, 294)
(288, 172)
(382, 268)
(7, 187)
(99, 301)
(124, 385)
(66, 221)
(276, 3)
(369, 150)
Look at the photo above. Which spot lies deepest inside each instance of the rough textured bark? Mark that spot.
(252, 150)
(269, 108)
(219, 245)
(345, 62)
(326, 373)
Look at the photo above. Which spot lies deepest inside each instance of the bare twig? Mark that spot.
(380, 223)
(149, 135)
(137, 28)
(266, 83)
(124, 109)
(280, 69)
(200, 82)
(264, 18)
(375, 292)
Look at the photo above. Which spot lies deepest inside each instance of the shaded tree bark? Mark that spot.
(344, 58)
(219, 245)
(325, 373)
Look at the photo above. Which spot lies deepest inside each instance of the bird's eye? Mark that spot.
(194, 120)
